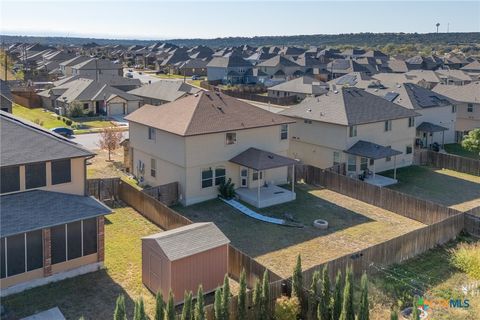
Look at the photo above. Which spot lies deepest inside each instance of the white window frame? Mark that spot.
(153, 167)
(224, 176)
(352, 131)
(411, 122)
(409, 146)
(388, 125)
(470, 107)
(256, 173)
(351, 156)
(363, 162)
(232, 139)
(454, 108)
(284, 132)
(152, 132)
(336, 155)
(211, 178)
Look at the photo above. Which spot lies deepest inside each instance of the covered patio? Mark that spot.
(262, 194)
(371, 152)
(426, 129)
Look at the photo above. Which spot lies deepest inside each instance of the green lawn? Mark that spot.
(353, 225)
(457, 149)
(431, 275)
(447, 187)
(93, 295)
(169, 76)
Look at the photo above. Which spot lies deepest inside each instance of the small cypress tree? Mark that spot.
(170, 310)
(159, 306)
(363, 313)
(324, 304)
(313, 296)
(266, 295)
(415, 311)
(348, 312)
(242, 297)
(217, 305)
(226, 298)
(394, 315)
(139, 311)
(257, 300)
(297, 281)
(120, 310)
(200, 305)
(187, 306)
(337, 297)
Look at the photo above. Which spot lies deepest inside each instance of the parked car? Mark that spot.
(129, 75)
(130, 70)
(195, 77)
(66, 132)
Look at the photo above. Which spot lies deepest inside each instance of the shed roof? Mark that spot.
(257, 159)
(38, 209)
(189, 240)
(371, 150)
(430, 127)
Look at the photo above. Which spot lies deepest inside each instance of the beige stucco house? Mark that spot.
(193, 140)
(354, 127)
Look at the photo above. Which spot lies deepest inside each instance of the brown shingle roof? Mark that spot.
(203, 113)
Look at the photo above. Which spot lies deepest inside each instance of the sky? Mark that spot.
(158, 20)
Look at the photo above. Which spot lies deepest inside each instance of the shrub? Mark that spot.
(68, 122)
(466, 257)
(59, 118)
(120, 313)
(75, 110)
(242, 297)
(227, 189)
(159, 306)
(287, 308)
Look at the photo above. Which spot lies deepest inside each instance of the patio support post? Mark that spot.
(258, 188)
(443, 138)
(293, 178)
(395, 167)
(373, 168)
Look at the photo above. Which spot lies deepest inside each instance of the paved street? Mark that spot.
(144, 78)
(90, 140)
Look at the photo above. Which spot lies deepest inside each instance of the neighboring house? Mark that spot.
(473, 69)
(453, 77)
(468, 106)
(121, 83)
(394, 66)
(50, 228)
(97, 67)
(300, 87)
(194, 140)
(191, 67)
(354, 127)
(6, 97)
(280, 68)
(66, 66)
(94, 96)
(164, 91)
(230, 69)
(340, 67)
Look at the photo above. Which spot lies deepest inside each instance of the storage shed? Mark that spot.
(184, 258)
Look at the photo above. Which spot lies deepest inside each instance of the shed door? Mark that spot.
(155, 269)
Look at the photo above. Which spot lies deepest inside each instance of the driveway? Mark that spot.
(144, 78)
(90, 140)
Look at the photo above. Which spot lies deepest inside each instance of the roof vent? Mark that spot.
(322, 114)
(309, 110)
(336, 91)
(196, 94)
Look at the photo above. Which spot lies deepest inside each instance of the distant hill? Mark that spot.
(354, 39)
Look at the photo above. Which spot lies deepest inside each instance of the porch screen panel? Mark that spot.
(74, 240)
(35, 175)
(57, 235)
(34, 250)
(89, 236)
(10, 179)
(61, 171)
(15, 254)
(2, 258)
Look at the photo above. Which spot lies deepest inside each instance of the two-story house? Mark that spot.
(50, 229)
(202, 140)
(231, 69)
(352, 126)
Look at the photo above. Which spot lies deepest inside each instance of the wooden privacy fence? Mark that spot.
(405, 205)
(166, 193)
(105, 189)
(472, 222)
(448, 161)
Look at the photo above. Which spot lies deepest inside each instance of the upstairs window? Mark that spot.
(207, 178)
(454, 108)
(470, 107)
(231, 138)
(61, 171)
(352, 131)
(35, 175)
(10, 179)
(151, 133)
(388, 125)
(284, 132)
(153, 168)
(411, 122)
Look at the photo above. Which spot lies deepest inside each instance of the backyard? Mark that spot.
(353, 225)
(457, 149)
(454, 189)
(93, 295)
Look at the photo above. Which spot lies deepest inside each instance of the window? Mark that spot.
(207, 178)
(59, 244)
(409, 149)
(454, 108)
(85, 106)
(151, 133)
(61, 171)
(284, 132)
(15, 254)
(255, 175)
(388, 158)
(34, 250)
(336, 157)
(352, 131)
(352, 163)
(35, 175)
(363, 163)
(220, 173)
(74, 240)
(89, 236)
(153, 168)
(388, 125)
(470, 107)
(10, 179)
(411, 122)
(231, 138)
(307, 121)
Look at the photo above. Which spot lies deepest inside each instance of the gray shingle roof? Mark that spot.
(278, 61)
(257, 159)
(466, 93)
(306, 85)
(371, 150)
(189, 240)
(350, 106)
(166, 90)
(430, 127)
(232, 61)
(25, 142)
(38, 209)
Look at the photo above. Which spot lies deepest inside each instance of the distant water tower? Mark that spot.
(437, 25)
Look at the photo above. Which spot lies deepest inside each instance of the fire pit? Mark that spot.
(320, 224)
